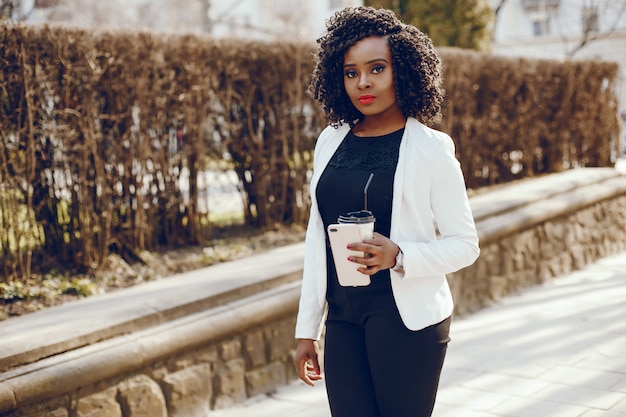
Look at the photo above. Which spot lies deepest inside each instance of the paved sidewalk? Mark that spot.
(555, 350)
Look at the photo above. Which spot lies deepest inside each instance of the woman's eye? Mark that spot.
(378, 69)
(350, 74)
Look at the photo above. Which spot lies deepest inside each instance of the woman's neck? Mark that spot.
(378, 126)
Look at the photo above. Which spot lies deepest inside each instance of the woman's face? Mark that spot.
(368, 77)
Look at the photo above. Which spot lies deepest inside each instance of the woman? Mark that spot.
(379, 83)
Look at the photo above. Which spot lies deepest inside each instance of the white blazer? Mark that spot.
(429, 195)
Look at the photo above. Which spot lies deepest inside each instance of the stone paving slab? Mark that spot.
(554, 350)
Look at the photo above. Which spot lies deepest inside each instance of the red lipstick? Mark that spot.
(366, 99)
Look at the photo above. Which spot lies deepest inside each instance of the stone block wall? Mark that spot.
(217, 375)
(543, 251)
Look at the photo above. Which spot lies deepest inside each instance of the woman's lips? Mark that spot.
(366, 99)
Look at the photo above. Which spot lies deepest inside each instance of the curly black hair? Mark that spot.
(417, 69)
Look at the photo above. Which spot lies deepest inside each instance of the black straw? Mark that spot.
(366, 187)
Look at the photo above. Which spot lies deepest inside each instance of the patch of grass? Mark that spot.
(82, 287)
(47, 288)
(222, 219)
(13, 290)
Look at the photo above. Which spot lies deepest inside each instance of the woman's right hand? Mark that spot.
(307, 362)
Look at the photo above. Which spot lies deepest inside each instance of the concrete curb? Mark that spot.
(493, 228)
(516, 195)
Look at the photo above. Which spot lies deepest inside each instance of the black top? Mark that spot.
(341, 185)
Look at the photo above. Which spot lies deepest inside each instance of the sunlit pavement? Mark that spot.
(555, 350)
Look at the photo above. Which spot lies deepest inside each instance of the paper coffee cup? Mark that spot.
(363, 218)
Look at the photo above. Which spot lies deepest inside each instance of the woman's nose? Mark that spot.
(364, 81)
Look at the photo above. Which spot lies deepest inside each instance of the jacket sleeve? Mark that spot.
(456, 246)
(312, 304)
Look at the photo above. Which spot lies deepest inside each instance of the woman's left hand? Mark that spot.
(380, 253)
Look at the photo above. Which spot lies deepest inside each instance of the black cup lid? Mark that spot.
(362, 216)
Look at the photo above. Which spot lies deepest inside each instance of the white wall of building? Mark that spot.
(273, 19)
(297, 20)
(167, 16)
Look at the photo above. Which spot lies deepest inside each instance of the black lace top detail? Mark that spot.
(376, 154)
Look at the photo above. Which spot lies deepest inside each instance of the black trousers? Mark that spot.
(375, 366)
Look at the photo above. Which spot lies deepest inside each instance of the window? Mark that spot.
(541, 27)
(43, 4)
(534, 5)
